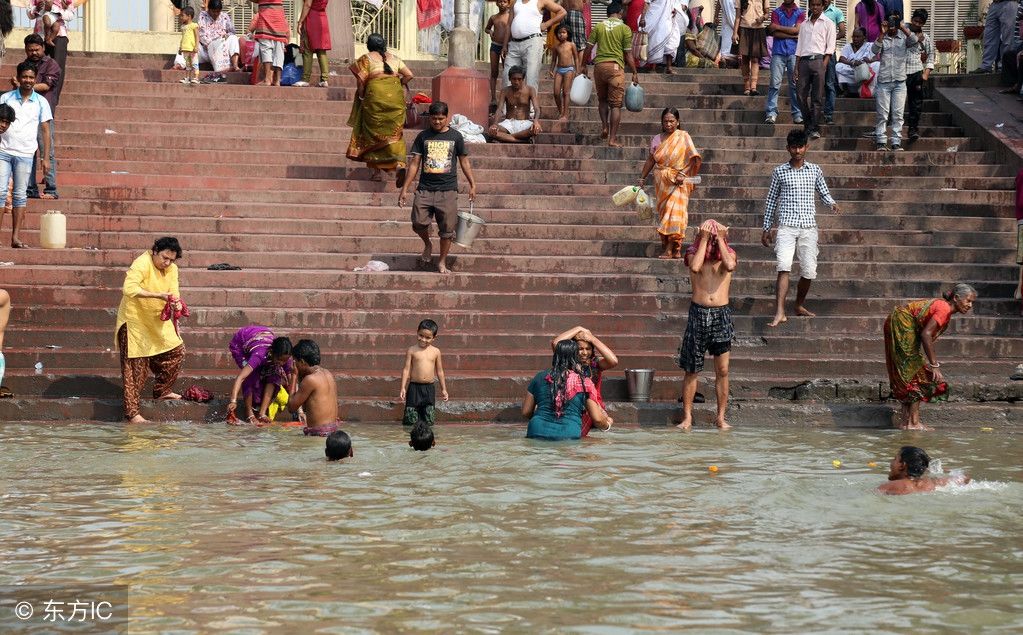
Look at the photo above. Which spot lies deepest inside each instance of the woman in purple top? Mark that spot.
(266, 366)
(869, 16)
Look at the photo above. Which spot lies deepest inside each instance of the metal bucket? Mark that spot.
(469, 226)
(639, 382)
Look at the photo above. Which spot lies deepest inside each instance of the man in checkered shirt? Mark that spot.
(791, 202)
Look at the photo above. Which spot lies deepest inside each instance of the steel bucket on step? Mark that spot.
(469, 226)
(639, 381)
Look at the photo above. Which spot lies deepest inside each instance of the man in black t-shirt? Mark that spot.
(435, 150)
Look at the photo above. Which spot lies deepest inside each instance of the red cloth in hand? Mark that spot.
(172, 312)
(197, 393)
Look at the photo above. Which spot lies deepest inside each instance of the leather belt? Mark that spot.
(528, 37)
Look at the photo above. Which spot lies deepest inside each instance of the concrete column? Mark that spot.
(95, 26)
(339, 13)
(161, 16)
(462, 41)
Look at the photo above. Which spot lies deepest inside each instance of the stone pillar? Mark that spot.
(95, 27)
(342, 42)
(161, 16)
(466, 91)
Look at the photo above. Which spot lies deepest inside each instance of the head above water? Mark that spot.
(339, 446)
(306, 354)
(421, 437)
(669, 120)
(909, 462)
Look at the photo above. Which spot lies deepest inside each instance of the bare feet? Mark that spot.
(686, 425)
(137, 419)
(778, 319)
(666, 255)
(916, 426)
(722, 424)
(613, 143)
(443, 269)
(667, 70)
(563, 119)
(604, 132)
(170, 396)
(424, 258)
(17, 244)
(803, 311)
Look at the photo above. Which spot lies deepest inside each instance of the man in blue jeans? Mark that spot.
(833, 13)
(49, 82)
(18, 145)
(785, 21)
(998, 31)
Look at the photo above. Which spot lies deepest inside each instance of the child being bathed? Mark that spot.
(422, 368)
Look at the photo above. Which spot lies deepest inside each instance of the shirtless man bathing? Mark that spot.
(315, 392)
(709, 328)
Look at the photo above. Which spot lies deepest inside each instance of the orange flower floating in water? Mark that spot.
(871, 464)
(713, 469)
(836, 463)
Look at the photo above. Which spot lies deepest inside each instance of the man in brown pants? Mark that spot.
(814, 48)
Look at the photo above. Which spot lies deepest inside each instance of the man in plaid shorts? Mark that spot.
(709, 328)
(791, 202)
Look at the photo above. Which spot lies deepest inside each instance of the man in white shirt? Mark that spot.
(18, 145)
(814, 48)
(524, 46)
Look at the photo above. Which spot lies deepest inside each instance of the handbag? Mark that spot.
(640, 47)
(862, 73)
(411, 112)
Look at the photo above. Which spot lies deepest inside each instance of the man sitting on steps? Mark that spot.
(517, 100)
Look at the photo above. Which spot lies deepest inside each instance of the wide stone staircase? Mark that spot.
(257, 177)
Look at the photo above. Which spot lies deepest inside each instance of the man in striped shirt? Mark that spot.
(791, 202)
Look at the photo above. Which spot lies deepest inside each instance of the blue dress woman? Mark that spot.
(559, 396)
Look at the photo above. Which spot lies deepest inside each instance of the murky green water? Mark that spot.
(209, 529)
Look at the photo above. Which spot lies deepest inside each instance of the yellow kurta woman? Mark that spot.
(144, 341)
(673, 157)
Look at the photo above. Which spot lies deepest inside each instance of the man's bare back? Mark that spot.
(572, 5)
(317, 395)
(918, 485)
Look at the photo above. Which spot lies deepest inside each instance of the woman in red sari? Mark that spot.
(378, 114)
(591, 366)
(909, 335)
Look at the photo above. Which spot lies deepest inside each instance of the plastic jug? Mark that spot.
(582, 88)
(53, 230)
(634, 97)
(625, 195)
(644, 206)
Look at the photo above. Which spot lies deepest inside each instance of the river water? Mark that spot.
(204, 528)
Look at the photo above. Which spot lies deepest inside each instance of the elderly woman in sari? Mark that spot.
(702, 47)
(144, 340)
(665, 21)
(673, 158)
(909, 336)
(591, 366)
(558, 397)
(378, 114)
(856, 53)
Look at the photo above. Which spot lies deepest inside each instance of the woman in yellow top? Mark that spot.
(144, 340)
(378, 114)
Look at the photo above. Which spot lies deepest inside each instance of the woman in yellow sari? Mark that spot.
(673, 157)
(378, 114)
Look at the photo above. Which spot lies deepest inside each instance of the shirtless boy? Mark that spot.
(709, 328)
(315, 392)
(517, 100)
(564, 61)
(422, 368)
(497, 28)
(906, 474)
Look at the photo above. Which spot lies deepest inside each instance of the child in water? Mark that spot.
(906, 474)
(564, 61)
(421, 437)
(422, 368)
(339, 446)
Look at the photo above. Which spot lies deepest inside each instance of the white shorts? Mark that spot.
(271, 51)
(515, 126)
(792, 241)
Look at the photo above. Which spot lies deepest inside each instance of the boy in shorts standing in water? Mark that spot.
(435, 150)
(709, 328)
(422, 369)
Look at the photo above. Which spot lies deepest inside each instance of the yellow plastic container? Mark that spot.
(53, 230)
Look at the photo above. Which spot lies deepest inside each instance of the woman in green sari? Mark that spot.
(378, 114)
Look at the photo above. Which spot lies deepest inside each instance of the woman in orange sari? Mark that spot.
(378, 114)
(909, 335)
(673, 157)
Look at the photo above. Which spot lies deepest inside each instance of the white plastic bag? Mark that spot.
(644, 206)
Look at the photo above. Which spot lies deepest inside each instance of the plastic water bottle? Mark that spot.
(39, 368)
(694, 180)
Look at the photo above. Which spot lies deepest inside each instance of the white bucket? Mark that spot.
(53, 230)
(469, 226)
